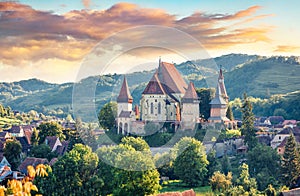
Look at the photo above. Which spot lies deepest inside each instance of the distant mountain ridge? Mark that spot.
(259, 76)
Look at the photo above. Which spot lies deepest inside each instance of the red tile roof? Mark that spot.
(166, 80)
(28, 134)
(171, 78)
(154, 86)
(124, 95)
(31, 161)
(190, 94)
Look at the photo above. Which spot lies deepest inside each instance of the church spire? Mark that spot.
(124, 95)
(222, 85)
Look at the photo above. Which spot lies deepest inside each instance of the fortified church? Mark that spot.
(168, 98)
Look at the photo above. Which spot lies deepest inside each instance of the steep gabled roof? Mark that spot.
(218, 100)
(124, 95)
(51, 141)
(190, 94)
(154, 86)
(171, 78)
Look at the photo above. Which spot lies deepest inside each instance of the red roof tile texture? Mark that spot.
(190, 92)
(124, 95)
(166, 80)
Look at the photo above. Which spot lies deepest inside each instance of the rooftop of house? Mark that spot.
(31, 161)
(24, 143)
(61, 150)
(51, 140)
(15, 129)
(286, 131)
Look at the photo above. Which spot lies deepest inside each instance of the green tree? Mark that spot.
(229, 113)
(137, 143)
(165, 164)
(8, 111)
(247, 128)
(290, 166)
(88, 137)
(191, 163)
(69, 118)
(107, 115)
(225, 164)
(50, 129)
(12, 152)
(133, 172)
(205, 96)
(264, 165)
(270, 191)
(280, 112)
(75, 172)
(2, 111)
(35, 137)
(244, 179)
(213, 165)
(46, 185)
(73, 136)
(220, 182)
(42, 151)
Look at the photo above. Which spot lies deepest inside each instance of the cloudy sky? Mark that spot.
(49, 39)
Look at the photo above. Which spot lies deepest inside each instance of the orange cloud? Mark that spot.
(86, 3)
(284, 48)
(29, 35)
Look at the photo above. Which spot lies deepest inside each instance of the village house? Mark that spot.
(56, 145)
(280, 137)
(33, 162)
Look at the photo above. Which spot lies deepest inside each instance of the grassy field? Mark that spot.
(177, 186)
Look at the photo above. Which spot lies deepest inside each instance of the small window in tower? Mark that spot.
(155, 100)
(151, 108)
(159, 108)
(171, 113)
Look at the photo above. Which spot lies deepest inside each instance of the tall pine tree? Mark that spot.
(290, 166)
(229, 113)
(247, 128)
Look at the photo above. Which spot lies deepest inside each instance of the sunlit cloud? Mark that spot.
(287, 49)
(29, 36)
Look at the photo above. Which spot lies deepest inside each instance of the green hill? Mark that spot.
(259, 76)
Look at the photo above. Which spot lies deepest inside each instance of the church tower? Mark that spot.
(124, 99)
(190, 108)
(125, 114)
(218, 107)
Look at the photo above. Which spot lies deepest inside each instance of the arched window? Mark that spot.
(159, 108)
(151, 108)
(126, 128)
(120, 127)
